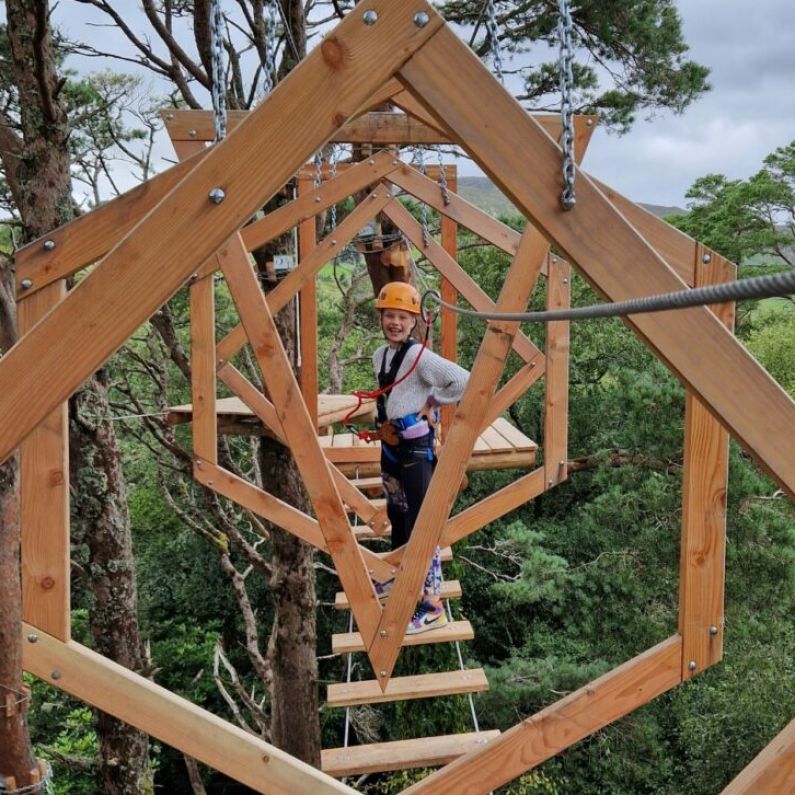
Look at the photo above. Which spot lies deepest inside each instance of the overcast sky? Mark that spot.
(749, 112)
(750, 48)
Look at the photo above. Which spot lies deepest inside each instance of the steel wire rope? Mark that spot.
(770, 286)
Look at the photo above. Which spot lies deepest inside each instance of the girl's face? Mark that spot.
(397, 325)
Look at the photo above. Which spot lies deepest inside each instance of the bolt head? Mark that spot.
(49, 245)
(713, 631)
(421, 19)
(317, 199)
(568, 202)
(371, 161)
(382, 633)
(333, 242)
(382, 674)
(217, 195)
(691, 666)
(589, 122)
(26, 284)
(706, 259)
(370, 17)
(192, 133)
(33, 638)
(56, 675)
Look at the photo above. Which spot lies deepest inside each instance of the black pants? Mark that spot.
(406, 471)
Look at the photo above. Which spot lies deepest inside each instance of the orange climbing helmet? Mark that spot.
(399, 295)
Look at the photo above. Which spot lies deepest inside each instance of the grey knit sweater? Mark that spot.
(435, 378)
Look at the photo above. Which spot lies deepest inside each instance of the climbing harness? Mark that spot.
(218, 76)
(776, 285)
(566, 78)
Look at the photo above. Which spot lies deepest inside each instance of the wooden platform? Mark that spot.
(403, 688)
(235, 417)
(451, 589)
(345, 642)
(501, 446)
(402, 754)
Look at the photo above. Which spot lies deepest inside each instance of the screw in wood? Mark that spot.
(421, 19)
(49, 245)
(370, 17)
(26, 284)
(692, 665)
(33, 638)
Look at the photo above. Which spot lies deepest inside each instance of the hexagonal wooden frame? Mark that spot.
(66, 338)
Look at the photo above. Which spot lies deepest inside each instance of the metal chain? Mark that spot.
(443, 177)
(318, 168)
(776, 285)
(218, 76)
(566, 78)
(419, 154)
(269, 78)
(493, 30)
(332, 177)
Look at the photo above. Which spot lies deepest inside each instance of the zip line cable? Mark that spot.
(776, 285)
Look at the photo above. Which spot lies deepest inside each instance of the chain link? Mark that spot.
(493, 30)
(218, 76)
(419, 154)
(269, 78)
(318, 168)
(566, 76)
(332, 177)
(443, 177)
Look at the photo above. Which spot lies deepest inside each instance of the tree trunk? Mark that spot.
(292, 649)
(101, 521)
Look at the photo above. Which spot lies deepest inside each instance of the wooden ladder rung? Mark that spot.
(446, 554)
(451, 589)
(346, 642)
(401, 754)
(403, 688)
(368, 483)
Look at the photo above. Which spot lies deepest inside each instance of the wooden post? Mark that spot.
(705, 477)
(556, 413)
(202, 351)
(44, 499)
(449, 331)
(307, 307)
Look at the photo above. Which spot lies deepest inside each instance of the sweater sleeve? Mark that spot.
(446, 380)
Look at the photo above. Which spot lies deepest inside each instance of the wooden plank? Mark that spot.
(496, 441)
(452, 271)
(307, 309)
(89, 237)
(377, 128)
(556, 396)
(494, 506)
(202, 356)
(772, 772)
(300, 434)
(314, 200)
(404, 688)
(525, 163)
(44, 500)
(173, 720)
(348, 642)
(307, 270)
(517, 439)
(704, 486)
(451, 589)
(401, 754)
(459, 210)
(250, 164)
(259, 502)
(560, 725)
(443, 489)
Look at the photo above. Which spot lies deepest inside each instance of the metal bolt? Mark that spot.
(563, 463)
(706, 259)
(692, 665)
(391, 571)
(26, 284)
(713, 631)
(169, 116)
(382, 633)
(554, 260)
(192, 133)
(56, 675)
(370, 17)
(589, 122)
(333, 242)
(382, 674)
(568, 202)
(209, 483)
(421, 19)
(317, 199)
(33, 638)
(373, 195)
(565, 281)
(551, 482)
(395, 162)
(266, 759)
(217, 195)
(49, 245)
(371, 161)
(532, 365)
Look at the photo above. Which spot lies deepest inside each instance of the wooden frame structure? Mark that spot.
(410, 55)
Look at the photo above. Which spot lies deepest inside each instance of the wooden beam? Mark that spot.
(300, 434)
(377, 128)
(704, 486)
(772, 772)
(384, 94)
(451, 589)
(408, 104)
(595, 237)
(307, 309)
(560, 725)
(556, 398)
(173, 720)
(489, 363)
(250, 164)
(44, 500)
(452, 631)
(202, 360)
(307, 270)
(67, 249)
(515, 387)
(452, 271)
